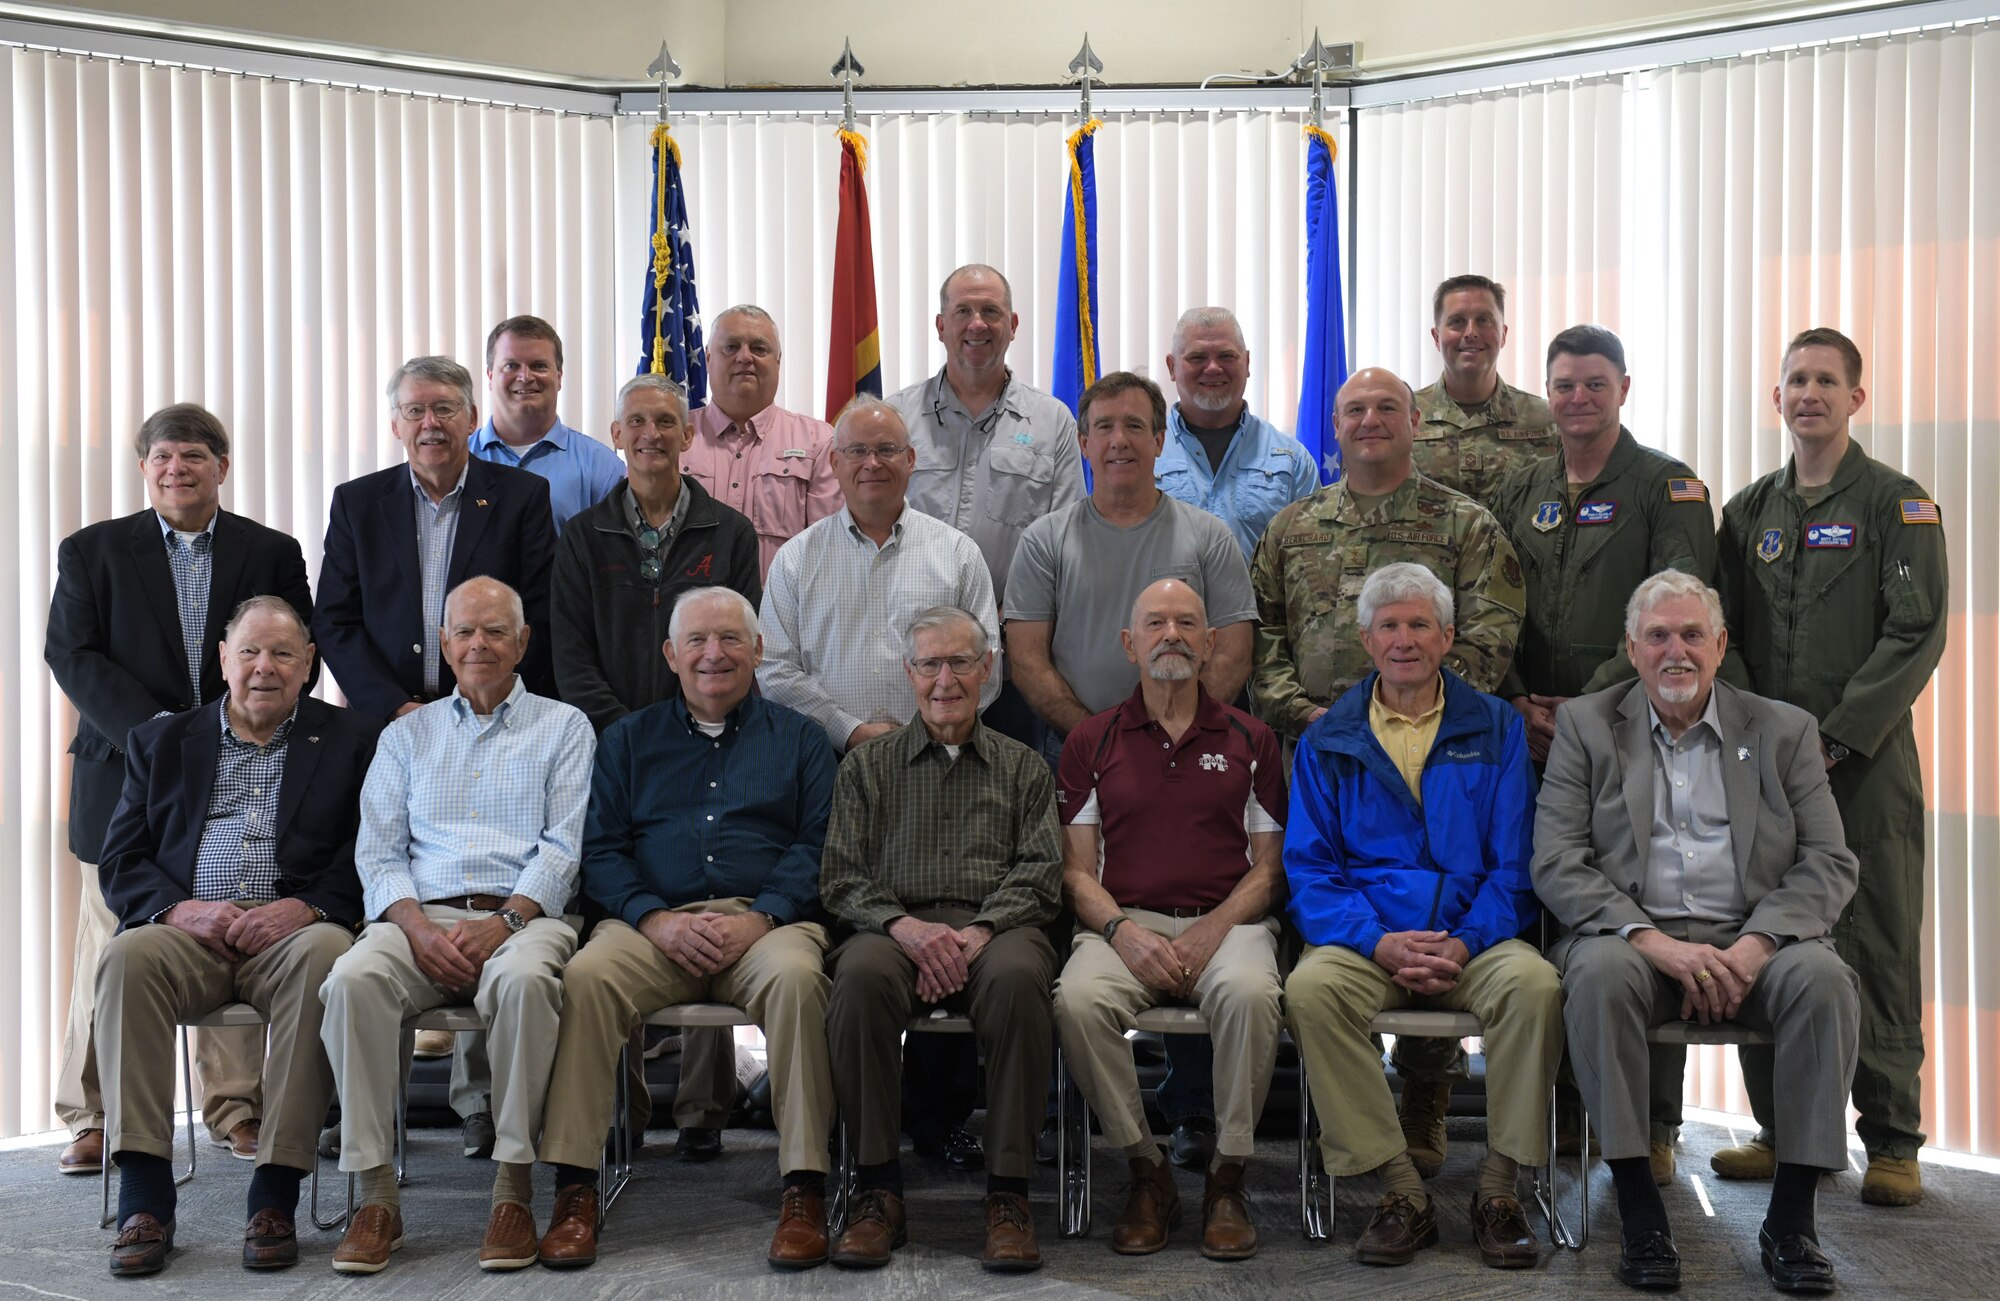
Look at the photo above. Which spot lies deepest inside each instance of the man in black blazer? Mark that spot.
(230, 867)
(140, 603)
(398, 540)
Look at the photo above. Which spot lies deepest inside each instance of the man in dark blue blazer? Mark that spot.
(139, 606)
(398, 540)
(230, 867)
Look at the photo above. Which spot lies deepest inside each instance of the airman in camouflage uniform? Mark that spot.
(1308, 574)
(1477, 429)
(1836, 594)
(1317, 552)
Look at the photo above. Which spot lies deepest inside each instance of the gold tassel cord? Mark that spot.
(663, 241)
(855, 141)
(1325, 137)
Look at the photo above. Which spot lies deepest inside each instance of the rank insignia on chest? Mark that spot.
(1771, 546)
(1595, 512)
(1548, 515)
(1823, 536)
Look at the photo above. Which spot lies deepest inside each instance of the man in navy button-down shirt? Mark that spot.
(707, 816)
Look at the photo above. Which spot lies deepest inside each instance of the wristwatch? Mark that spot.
(1836, 751)
(1112, 925)
(516, 923)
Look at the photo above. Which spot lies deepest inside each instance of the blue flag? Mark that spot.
(670, 335)
(1325, 351)
(1077, 341)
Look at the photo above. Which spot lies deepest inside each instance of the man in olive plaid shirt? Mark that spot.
(942, 863)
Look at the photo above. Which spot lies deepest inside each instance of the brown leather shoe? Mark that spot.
(800, 1242)
(1500, 1227)
(1010, 1235)
(510, 1241)
(875, 1227)
(270, 1242)
(240, 1142)
(1397, 1232)
(571, 1241)
(372, 1233)
(1152, 1209)
(1421, 1111)
(1226, 1231)
(142, 1246)
(84, 1155)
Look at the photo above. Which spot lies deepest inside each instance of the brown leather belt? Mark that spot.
(481, 903)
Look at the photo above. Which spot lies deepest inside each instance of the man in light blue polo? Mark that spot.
(524, 369)
(1219, 456)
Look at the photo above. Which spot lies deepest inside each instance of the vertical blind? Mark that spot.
(1707, 213)
(273, 249)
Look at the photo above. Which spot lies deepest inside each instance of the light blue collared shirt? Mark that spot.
(1264, 471)
(193, 563)
(437, 529)
(455, 804)
(580, 470)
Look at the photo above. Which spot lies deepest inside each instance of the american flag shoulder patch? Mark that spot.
(1686, 490)
(1920, 510)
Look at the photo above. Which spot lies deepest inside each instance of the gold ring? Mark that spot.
(1186, 972)
(1702, 976)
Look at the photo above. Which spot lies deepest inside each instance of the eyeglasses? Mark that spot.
(442, 411)
(859, 452)
(930, 666)
(652, 542)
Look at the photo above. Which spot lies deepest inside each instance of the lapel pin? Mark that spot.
(1742, 752)
(479, 501)
(313, 739)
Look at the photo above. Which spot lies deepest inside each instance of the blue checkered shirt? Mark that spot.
(455, 804)
(238, 858)
(193, 564)
(437, 527)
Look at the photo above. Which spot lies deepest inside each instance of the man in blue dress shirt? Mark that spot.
(471, 826)
(524, 371)
(707, 816)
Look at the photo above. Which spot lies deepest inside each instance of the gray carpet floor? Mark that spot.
(687, 1230)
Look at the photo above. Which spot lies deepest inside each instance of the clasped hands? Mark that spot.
(450, 954)
(943, 954)
(234, 933)
(1423, 962)
(702, 944)
(1168, 966)
(1714, 982)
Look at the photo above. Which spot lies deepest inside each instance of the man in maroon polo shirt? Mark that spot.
(1170, 803)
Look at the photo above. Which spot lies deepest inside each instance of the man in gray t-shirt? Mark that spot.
(1077, 571)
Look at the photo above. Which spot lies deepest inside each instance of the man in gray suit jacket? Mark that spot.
(1688, 841)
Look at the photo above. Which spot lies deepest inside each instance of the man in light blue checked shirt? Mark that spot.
(471, 824)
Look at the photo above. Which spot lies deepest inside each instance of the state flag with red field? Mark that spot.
(854, 352)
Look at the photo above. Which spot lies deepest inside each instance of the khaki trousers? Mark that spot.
(1098, 999)
(621, 976)
(1334, 993)
(377, 985)
(1007, 998)
(228, 1060)
(154, 977)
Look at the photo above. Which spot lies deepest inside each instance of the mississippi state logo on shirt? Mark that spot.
(1548, 515)
(1771, 546)
(1820, 536)
(1214, 763)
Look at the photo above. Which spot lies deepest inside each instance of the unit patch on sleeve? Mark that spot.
(1918, 510)
(1686, 490)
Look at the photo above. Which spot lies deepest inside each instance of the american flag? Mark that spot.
(1917, 510)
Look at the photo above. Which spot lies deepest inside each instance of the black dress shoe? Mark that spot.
(1192, 1146)
(1651, 1262)
(1795, 1263)
(697, 1144)
(962, 1150)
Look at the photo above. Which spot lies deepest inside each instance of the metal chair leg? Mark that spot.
(1547, 1192)
(1315, 1189)
(187, 1089)
(614, 1163)
(312, 1207)
(844, 1175)
(1072, 1152)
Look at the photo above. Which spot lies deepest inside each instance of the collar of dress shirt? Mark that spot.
(462, 711)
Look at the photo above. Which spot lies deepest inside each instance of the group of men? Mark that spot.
(768, 751)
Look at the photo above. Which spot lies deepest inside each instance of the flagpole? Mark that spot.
(660, 69)
(854, 343)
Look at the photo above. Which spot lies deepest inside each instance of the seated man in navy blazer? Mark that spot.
(398, 540)
(230, 867)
